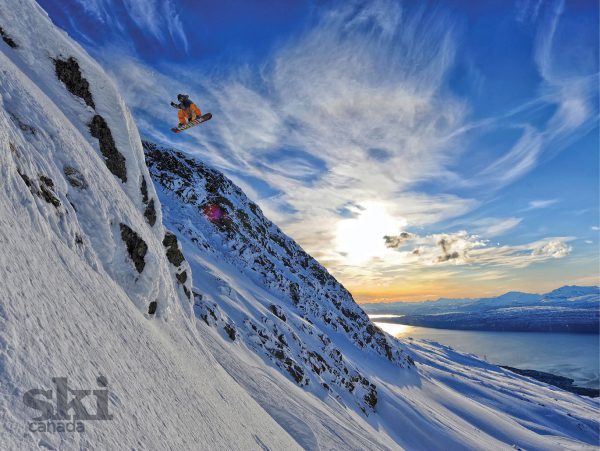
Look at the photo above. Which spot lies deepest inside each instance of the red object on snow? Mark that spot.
(213, 212)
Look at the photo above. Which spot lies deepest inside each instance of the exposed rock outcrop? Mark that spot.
(115, 161)
(69, 73)
(136, 247)
(150, 211)
(6, 38)
(294, 333)
(174, 254)
(75, 178)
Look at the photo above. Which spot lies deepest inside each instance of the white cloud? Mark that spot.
(521, 158)
(491, 227)
(355, 112)
(553, 248)
(568, 67)
(534, 204)
(462, 248)
(573, 89)
(158, 18)
(528, 9)
(99, 9)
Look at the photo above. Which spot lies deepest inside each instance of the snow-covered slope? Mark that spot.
(92, 287)
(293, 336)
(305, 329)
(252, 345)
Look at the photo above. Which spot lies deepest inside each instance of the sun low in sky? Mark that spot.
(416, 149)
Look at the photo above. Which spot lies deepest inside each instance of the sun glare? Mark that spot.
(360, 238)
(395, 330)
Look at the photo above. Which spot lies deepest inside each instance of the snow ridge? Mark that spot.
(264, 350)
(312, 306)
(294, 338)
(92, 288)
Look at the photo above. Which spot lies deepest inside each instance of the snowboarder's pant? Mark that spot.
(189, 113)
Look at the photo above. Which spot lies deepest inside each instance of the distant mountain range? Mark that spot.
(566, 309)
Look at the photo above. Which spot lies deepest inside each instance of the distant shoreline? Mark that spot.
(564, 383)
(479, 324)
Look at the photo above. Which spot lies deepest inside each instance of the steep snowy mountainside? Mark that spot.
(292, 335)
(92, 287)
(94, 291)
(56, 98)
(315, 319)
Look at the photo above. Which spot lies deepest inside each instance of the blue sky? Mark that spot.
(417, 149)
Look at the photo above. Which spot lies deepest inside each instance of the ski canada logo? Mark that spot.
(65, 409)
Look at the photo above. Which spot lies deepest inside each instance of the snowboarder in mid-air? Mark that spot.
(189, 114)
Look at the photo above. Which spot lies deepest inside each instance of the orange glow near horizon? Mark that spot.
(432, 290)
(369, 284)
(420, 291)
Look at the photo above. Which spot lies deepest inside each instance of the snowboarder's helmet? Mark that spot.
(180, 97)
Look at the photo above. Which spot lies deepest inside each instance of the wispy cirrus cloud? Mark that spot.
(528, 9)
(335, 131)
(541, 203)
(491, 227)
(158, 18)
(568, 90)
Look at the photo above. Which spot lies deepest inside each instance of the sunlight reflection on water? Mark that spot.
(396, 330)
(570, 355)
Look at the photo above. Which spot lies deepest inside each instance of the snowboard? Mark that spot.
(193, 123)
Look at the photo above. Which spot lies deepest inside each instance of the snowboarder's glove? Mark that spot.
(173, 104)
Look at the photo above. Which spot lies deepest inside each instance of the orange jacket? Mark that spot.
(188, 113)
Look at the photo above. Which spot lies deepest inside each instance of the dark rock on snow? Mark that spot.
(115, 161)
(6, 38)
(150, 211)
(69, 73)
(136, 247)
(75, 178)
(47, 191)
(174, 255)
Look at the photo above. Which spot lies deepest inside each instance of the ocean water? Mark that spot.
(576, 356)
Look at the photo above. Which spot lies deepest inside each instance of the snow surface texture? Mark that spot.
(286, 330)
(86, 286)
(293, 329)
(91, 284)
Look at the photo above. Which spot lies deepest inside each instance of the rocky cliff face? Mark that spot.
(93, 290)
(59, 127)
(306, 333)
(219, 334)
